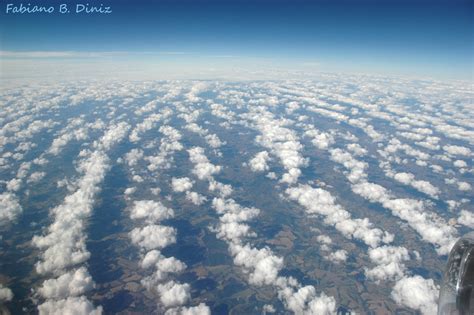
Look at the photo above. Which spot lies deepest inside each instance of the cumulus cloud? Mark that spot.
(163, 264)
(14, 184)
(395, 145)
(231, 211)
(431, 227)
(170, 141)
(150, 211)
(5, 294)
(201, 309)
(59, 143)
(259, 162)
(35, 177)
(174, 294)
(223, 189)
(232, 214)
(338, 256)
(281, 141)
(10, 207)
(71, 305)
(357, 169)
(460, 163)
(64, 244)
(160, 161)
(114, 134)
(163, 267)
(133, 156)
(389, 262)
(321, 202)
(324, 239)
(234, 231)
(148, 123)
(267, 308)
(195, 198)
(153, 236)
(321, 140)
(420, 185)
(214, 141)
(130, 191)
(466, 218)
(356, 149)
(457, 150)
(464, 186)
(203, 169)
(417, 293)
(306, 301)
(181, 184)
(261, 265)
(73, 283)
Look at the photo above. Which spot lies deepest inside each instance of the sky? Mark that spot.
(417, 38)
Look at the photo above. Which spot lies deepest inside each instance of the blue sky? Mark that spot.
(421, 38)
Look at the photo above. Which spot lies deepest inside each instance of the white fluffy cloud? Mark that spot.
(460, 163)
(130, 191)
(267, 308)
(321, 140)
(259, 162)
(72, 283)
(464, 186)
(195, 198)
(306, 301)
(231, 211)
(133, 156)
(223, 189)
(150, 211)
(181, 184)
(214, 141)
(59, 143)
(431, 227)
(71, 306)
(5, 294)
(203, 169)
(282, 142)
(201, 309)
(457, 150)
(148, 123)
(153, 236)
(64, 243)
(10, 208)
(35, 177)
(417, 293)
(389, 262)
(174, 294)
(164, 264)
(466, 218)
(232, 214)
(114, 134)
(356, 149)
(420, 185)
(261, 265)
(321, 202)
(14, 184)
(338, 256)
(357, 169)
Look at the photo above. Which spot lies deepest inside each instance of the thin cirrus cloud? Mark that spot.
(81, 54)
(56, 54)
